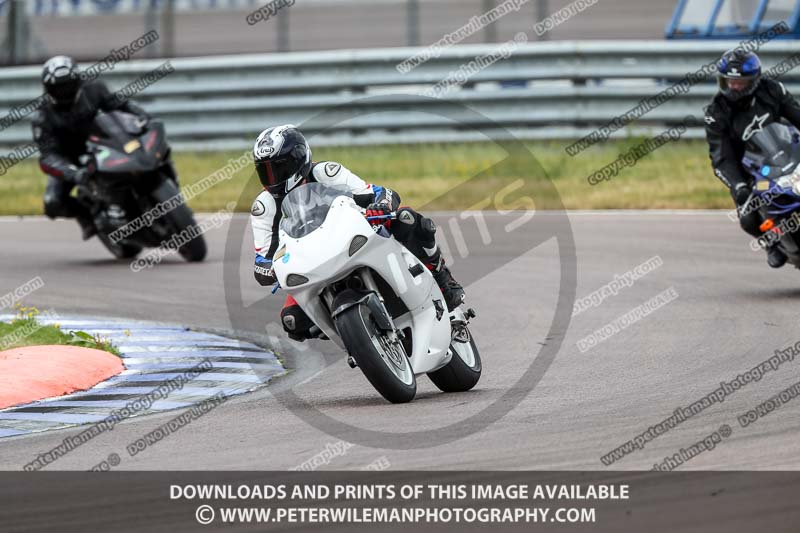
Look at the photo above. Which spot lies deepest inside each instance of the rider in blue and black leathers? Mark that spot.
(745, 103)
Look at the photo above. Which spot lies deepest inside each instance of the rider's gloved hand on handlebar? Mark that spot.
(144, 120)
(376, 210)
(741, 193)
(263, 272)
(81, 176)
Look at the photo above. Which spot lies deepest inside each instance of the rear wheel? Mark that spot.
(119, 250)
(382, 360)
(464, 369)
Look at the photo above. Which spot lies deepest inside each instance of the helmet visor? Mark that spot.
(736, 87)
(65, 92)
(274, 173)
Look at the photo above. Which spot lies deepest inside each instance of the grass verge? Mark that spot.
(26, 330)
(677, 176)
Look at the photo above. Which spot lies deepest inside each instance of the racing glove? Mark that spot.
(263, 272)
(81, 176)
(379, 209)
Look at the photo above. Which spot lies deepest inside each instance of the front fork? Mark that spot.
(394, 334)
(377, 306)
(459, 323)
(459, 319)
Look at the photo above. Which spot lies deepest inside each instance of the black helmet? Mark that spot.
(737, 64)
(283, 159)
(61, 81)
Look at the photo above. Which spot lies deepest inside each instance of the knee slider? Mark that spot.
(403, 227)
(407, 216)
(295, 320)
(426, 232)
(750, 223)
(52, 207)
(428, 226)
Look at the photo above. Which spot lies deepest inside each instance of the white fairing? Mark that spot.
(264, 210)
(322, 257)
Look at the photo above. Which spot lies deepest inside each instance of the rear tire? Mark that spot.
(119, 250)
(463, 371)
(386, 366)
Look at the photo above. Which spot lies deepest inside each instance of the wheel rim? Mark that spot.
(465, 351)
(392, 353)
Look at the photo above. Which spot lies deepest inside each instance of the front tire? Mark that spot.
(464, 369)
(119, 250)
(180, 219)
(385, 364)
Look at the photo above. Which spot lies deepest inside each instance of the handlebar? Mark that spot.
(390, 216)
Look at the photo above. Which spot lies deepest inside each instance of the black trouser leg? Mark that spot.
(417, 233)
(295, 321)
(751, 223)
(59, 203)
(169, 168)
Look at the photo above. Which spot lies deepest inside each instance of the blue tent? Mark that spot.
(731, 19)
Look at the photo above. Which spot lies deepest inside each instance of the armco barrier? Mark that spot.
(543, 90)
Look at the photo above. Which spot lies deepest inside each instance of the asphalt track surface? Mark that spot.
(732, 312)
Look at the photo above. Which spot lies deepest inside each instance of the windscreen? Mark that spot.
(305, 208)
(117, 126)
(776, 146)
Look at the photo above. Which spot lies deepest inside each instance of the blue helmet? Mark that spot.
(738, 74)
(283, 159)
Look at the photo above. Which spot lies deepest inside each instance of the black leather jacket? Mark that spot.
(61, 135)
(730, 125)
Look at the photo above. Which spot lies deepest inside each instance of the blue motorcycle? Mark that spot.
(772, 157)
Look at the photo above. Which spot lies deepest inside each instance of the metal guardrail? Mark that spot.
(549, 90)
(107, 7)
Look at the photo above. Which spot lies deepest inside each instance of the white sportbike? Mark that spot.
(371, 296)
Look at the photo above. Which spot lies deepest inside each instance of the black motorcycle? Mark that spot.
(133, 193)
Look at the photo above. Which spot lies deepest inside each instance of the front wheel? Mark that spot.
(464, 369)
(119, 250)
(181, 221)
(384, 362)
